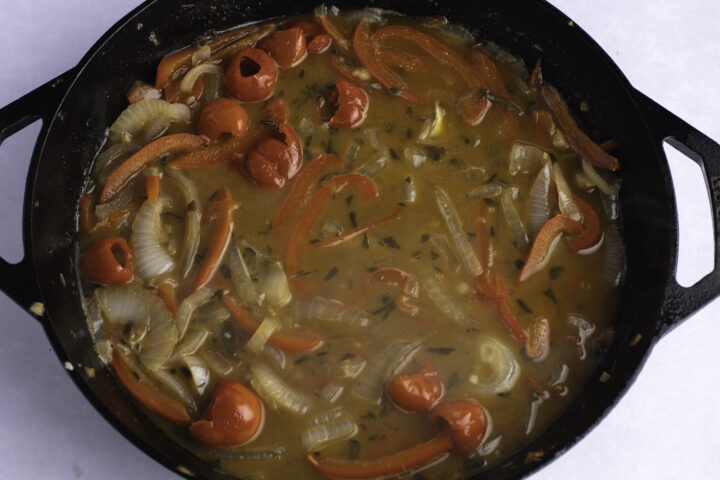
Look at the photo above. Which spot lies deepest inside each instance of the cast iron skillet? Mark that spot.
(77, 106)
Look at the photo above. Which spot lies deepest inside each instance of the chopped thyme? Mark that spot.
(523, 306)
(331, 273)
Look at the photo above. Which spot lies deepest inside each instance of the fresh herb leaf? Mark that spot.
(331, 273)
(441, 350)
(523, 306)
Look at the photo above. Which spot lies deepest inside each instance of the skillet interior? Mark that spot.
(528, 28)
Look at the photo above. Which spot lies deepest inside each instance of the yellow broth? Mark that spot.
(570, 284)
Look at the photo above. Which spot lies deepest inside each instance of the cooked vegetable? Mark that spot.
(371, 382)
(545, 243)
(275, 286)
(267, 327)
(468, 421)
(151, 258)
(449, 213)
(188, 307)
(286, 47)
(108, 262)
(136, 117)
(276, 392)
(539, 207)
(513, 217)
(251, 75)
(223, 115)
(191, 242)
(496, 370)
(416, 393)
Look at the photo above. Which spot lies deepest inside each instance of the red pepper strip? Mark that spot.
(447, 57)
(536, 388)
(219, 241)
(542, 247)
(409, 287)
(576, 138)
(401, 462)
(590, 235)
(100, 263)
(222, 152)
(108, 224)
(166, 291)
(304, 185)
(609, 145)
(491, 75)
(339, 38)
(152, 187)
(148, 395)
(494, 290)
(315, 210)
(400, 59)
(346, 71)
(151, 151)
(334, 241)
(366, 55)
(288, 341)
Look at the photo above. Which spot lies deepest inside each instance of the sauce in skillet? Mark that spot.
(336, 235)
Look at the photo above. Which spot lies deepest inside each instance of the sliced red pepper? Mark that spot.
(148, 395)
(277, 110)
(467, 420)
(290, 341)
(400, 59)
(218, 242)
(286, 47)
(106, 225)
(223, 115)
(152, 151)
(108, 262)
(416, 393)
(222, 151)
(334, 241)
(546, 239)
(336, 34)
(576, 138)
(152, 187)
(408, 284)
(398, 463)
(251, 75)
(273, 162)
(346, 71)
(590, 235)
(537, 346)
(352, 104)
(493, 289)
(299, 239)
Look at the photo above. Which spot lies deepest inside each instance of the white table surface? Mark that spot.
(666, 427)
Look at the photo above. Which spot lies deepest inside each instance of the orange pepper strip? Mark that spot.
(288, 341)
(397, 463)
(541, 248)
(400, 59)
(305, 184)
(152, 151)
(148, 395)
(222, 152)
(576, 138)
(222, 213)
(331, 242)
(108, 224)
(590, 235)
(315, 210)
(335, 33)
(152, 187)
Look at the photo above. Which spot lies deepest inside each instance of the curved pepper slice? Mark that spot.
(408, 284)
(106, 225)
(274, 162)
(151, 151)
(545, 242)
(468, 421)
(251, 75)
(108, 262)
(416, 393)
(401, 462)
(223, 151)
(590, 235)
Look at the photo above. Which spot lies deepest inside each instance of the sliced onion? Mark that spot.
(241, 277)
(350, 367)
(187, 308)
(436, 128)
(110, 158)
(277, 355)
(132, 120)
(373, 138)
(199, 373)
(328, 416)
(565, 201)
(539, 206)
(526, 158)
(371, 383)
(275, 285)
(443, 244)
(201, 55)
(190, 344)
(585, 329)
(276, 392)
(331, 229)
(352, 152)
(496, 370)
(154, 129)
(487, 448)
(473, 174)
(151, 259)
(373, 167)
(443, 302)
(193, 216)
(513, 217)
(188, 81)
(462, 244)
(583, 181)
(489, 190)
(332, 392)
(332, 310)
(172, 383)
(267, 327)
(415, 156)
(325, 433)
(410, 190)
(217, 362)
(598, 180)
(212, 315)
(94, 319)
(615, 262)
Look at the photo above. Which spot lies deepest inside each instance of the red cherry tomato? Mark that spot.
(309, 28)
(277, 110)
(274, 162)
(416, 393)
(352, 105)
(319, 44)
(223, 115)
(251, 75)
(108, 262)
(468, 421)
(235, 417)
(287, 47)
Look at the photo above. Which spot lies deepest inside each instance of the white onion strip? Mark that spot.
(275, 285)
(111, 158)
(241, 277)
(371, 383)
(190, 344)
(325, 433)
(151, 259)
(133, 120)
(188, 81)
(467, 254)
(276, 392)
(539, 207)
(199, 373)
(442, 244)
(598, 181)
(565, 201)
(443, 302)
(187, 308)
(513, 217)
(257, 342)
(335, 311)
(497, 370)
(193, 217)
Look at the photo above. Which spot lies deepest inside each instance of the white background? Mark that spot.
(666, 427)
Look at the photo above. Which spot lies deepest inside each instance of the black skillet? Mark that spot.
(77, 106)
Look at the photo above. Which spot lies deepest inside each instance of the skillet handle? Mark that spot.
(18, 281)
(681, 302)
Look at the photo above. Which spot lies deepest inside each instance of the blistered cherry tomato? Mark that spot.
(416, 393)
(273, 162)
(351, 104)
(319, 44)
(287, 47)
(108, 262)
(317, 39)
(468, 421)
(251, 75)
(223, 115)
(235, 417)
(309, 28)
(277, 110)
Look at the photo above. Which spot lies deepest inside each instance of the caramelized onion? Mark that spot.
(133, 120)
